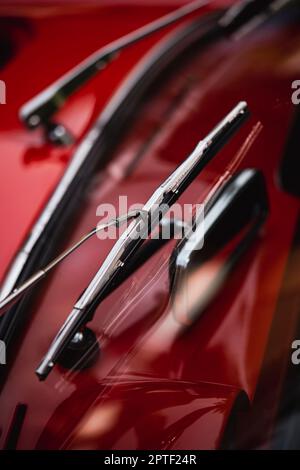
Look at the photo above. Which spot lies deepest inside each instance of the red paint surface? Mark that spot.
(151, 388)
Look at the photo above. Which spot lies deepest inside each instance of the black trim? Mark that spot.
(289, 172)
(15, 427)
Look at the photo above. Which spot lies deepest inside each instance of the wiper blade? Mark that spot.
(39, 110)
(133, 237)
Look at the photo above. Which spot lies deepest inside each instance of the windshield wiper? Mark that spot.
(138, 231)
(40, 109)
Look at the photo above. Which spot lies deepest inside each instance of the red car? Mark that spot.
(172, 127)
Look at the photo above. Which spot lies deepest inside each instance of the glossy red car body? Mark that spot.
(152, 387)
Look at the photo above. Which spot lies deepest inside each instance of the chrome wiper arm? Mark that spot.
(132, 238)
(40, 109)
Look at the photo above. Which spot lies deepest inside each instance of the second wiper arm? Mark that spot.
(40, 109)
(137, 232)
